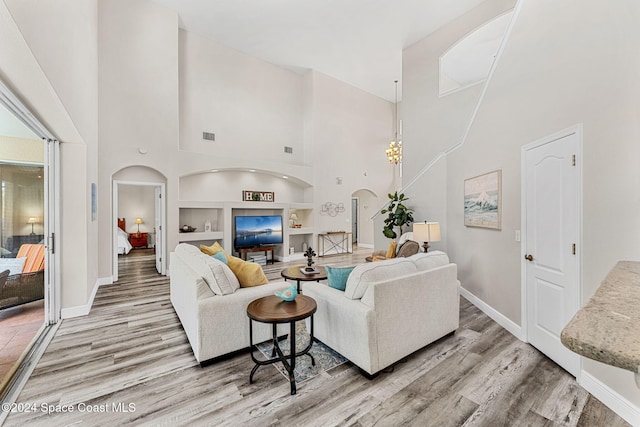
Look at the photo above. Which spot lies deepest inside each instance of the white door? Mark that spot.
(552, 224)
(159, 243)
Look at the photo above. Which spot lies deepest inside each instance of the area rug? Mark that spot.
(325, 357)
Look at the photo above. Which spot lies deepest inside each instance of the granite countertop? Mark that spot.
(607, 328)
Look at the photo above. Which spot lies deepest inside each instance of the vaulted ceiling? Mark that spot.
(359, 42)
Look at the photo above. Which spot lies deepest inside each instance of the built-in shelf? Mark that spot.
(220, 214)
(197, 236)
(303, 230)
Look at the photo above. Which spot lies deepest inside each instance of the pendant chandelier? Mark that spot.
(394, 152)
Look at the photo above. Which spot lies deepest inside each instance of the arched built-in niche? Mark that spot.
(227, 185)
(366, 204)
(469, 60)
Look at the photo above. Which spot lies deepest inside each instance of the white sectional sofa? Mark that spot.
(389, 309)
(212, 306)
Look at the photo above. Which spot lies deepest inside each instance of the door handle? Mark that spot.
(528, 257)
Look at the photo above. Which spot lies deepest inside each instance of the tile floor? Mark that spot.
(18, 326)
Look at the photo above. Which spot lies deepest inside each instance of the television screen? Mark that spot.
(258, 230)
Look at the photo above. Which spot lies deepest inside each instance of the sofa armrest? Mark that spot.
(223, 324)
(414, 310)
(347, 326)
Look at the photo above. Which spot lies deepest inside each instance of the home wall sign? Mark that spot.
(258, 196)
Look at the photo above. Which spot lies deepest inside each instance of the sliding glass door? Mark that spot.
(29, 295)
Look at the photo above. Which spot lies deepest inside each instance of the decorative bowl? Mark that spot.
(187, 229)
(288, 294)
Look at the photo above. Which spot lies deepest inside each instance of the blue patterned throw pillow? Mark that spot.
(338, 276)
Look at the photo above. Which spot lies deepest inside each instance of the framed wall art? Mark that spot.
(483, 201)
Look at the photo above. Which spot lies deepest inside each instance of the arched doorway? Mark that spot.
(363, 206)
(139, 214)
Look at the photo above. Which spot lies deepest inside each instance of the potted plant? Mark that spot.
(399, 215)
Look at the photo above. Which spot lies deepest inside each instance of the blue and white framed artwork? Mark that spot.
(483, 201)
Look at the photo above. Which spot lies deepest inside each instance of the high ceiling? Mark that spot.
(359, 42)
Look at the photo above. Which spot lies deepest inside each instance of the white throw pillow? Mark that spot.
(429, 260)
(187, 249)
(373, 272)
(225, 280)
(14, 265)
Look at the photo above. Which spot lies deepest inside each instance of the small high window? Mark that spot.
(468, 61)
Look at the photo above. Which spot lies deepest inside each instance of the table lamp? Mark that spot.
(426, 232)
(32, 221)
(138, 221)
(292, 220)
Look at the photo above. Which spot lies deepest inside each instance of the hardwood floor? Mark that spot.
(129, 361)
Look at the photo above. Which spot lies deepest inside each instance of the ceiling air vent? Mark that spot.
(209, 136)
(288, 150)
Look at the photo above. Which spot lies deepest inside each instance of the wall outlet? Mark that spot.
(517, 235)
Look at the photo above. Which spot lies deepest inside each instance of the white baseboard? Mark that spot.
(500, 318)
(613, 400)
(365, 245)
(83, 310)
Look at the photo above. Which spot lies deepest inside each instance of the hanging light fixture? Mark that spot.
(394, 152)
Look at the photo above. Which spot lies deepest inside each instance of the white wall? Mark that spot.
(138, 52)
(57, 76)
(137, 201)
(228, 186)
(555, 72)
(350, 130)
(253, 107)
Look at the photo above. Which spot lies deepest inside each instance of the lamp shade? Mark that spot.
(426, 231)
(32, 220)
(293, 216)
(138, 220)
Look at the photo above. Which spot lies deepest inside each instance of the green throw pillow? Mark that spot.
(220, 256)
(338, 276)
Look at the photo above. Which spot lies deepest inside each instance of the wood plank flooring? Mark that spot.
(129, 363)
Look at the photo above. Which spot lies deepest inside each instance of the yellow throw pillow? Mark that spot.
(391, 252)
(212, 250)
(248, 273)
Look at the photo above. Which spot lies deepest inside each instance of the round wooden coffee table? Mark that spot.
(272, 309)
(295, 273)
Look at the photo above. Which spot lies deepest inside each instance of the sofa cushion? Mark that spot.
(14, 265)
(248, 273)
(185, 248)
(220, 256)
(224, 281)
(408, 248)
(35, 257)
(391, 251)
(216, 274)
(364, 274)
(211, 250)
(430, 260)
(338, 276)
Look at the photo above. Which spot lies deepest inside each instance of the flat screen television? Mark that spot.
(257, 230)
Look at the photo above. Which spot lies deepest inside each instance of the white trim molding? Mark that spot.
(498, 317)
(83, 310)
(612, 399)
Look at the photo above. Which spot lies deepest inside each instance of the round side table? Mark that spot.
(271, 309)
(295, 273)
